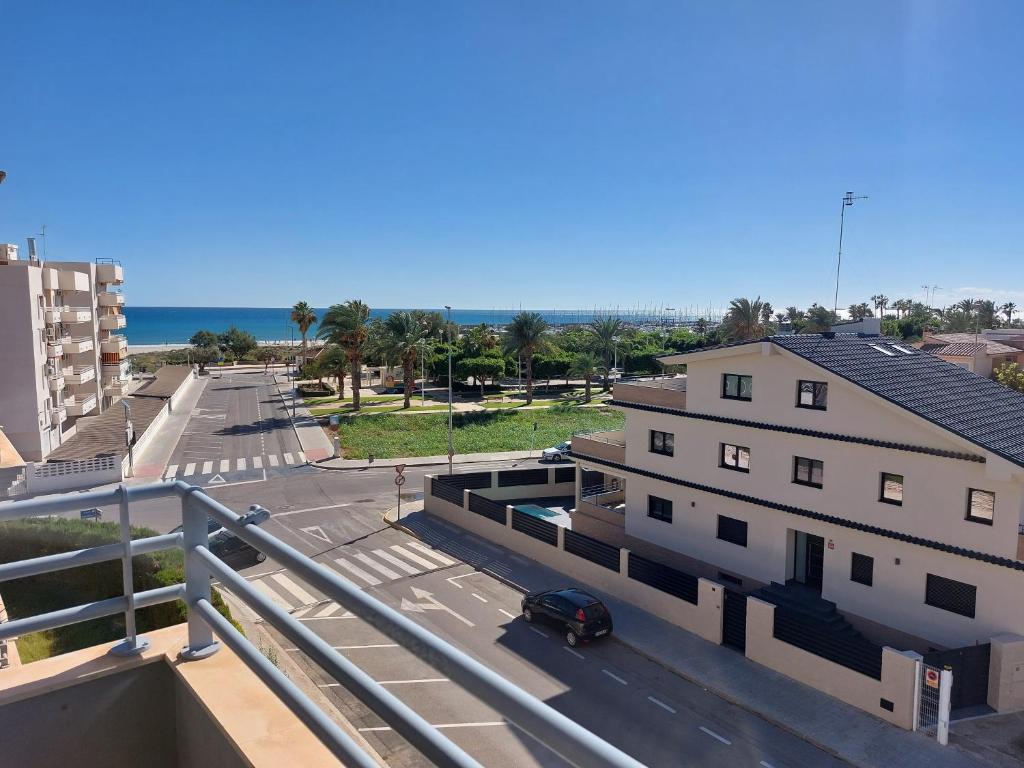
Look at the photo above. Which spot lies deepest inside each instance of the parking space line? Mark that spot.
(714, 735)
(415, 558)
(577, 654)
(383, 570)
(396, 562)
(331, 609)
(481, 599)
(225, 465)
(355, 570)
(240, 464)
(540, 632)
(272, 459)
(662, 704)
(207, 467)
(614, 677)
(431, 553)
(510, 615)
(294, 589)
(189, 469)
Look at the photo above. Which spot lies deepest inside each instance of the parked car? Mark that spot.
(228, 547)
(556, 452)
(579, 616)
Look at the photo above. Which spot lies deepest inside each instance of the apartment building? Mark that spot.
(978, 353)
(881, 477)
(63, 356)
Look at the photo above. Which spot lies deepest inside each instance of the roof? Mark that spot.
(992, 347)
(957, 349)
(103, 435)
(973, 407)
(168, 379)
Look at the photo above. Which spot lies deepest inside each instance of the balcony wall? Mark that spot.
(610, 445)
(110, 274)
(77, 345)
(114, 345)
(82, 374)
(76, 315)
(663, 393)
(69, 280)
(109, 299)
(79, 406)
(112, 322)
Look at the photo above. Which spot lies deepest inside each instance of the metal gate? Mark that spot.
(928, 709)
(970, 673)
(734, 620)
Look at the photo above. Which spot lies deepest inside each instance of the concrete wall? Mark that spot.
(899, 670)
(703, 619)
(67, 475)
(1006, 673)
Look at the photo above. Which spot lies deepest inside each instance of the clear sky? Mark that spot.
(504, 154)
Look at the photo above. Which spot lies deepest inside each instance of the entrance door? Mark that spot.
(808, 559)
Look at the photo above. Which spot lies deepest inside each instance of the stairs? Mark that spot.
(12, 482)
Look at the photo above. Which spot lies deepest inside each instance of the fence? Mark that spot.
(538, 529)
(654, 574)
(492, 510)
(593, 550)
(812, 636)
(571, 741)
(66, 475)
(525, 477)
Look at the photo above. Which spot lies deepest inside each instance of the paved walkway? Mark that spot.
(828, 723)
(427, 461)
(314, 441)
(149, 465)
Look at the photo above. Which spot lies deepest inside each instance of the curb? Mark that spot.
(409, 463)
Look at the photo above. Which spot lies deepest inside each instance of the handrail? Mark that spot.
(568, 739)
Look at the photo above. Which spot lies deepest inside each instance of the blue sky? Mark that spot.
(534, 154)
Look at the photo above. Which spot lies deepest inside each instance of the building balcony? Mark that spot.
(110, 299)
(109, 274)
(57, 416)
(56, 379)
(69, 280)
(662, 393)
(610, 446)
(80, 344)
(82, 374)
(79, 405)
(76, 315)
(54, 349)
(115, 387)
(50, 280)
(114, 345)
(112, 322)
(52, 315)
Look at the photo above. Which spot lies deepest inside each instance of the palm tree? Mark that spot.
(1008, 309)
(701, 327)
(743, 320)
(333, 360)
(819, 319)
(604, 336)
(586, 366)
(403, 333)
(347, 325)
(966, 306)
(525, 335)
(766, 314)
(860, 311)
(986, 312)
(880, 302)
(304, 317)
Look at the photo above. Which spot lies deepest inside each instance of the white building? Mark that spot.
(63, 355)
(885, 479)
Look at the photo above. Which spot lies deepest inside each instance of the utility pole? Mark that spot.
(451, 448)
(423, 371)
(848, 199)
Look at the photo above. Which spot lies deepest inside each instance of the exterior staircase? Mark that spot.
(12, 482)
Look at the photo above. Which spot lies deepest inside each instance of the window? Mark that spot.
(808, 471)
(736, 387)
(950, 595)
(862, 569)
(732, 530)
(663, 442)
(892, 489)
(980, 506)
(812, 394)
(734, 457)
(659, 509)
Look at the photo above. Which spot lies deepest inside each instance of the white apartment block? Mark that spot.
(64, 355)
(885, 479)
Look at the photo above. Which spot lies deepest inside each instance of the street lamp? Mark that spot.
(848, 199)
(451, 448)
(129, 434)
(423, 372)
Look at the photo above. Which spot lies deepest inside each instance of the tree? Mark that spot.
(986, 313)
(1011, 375)
(585, 365)
(819, 319)
(1008, 309)
(240, 343)
(551, 366)
(205, 355)
(304, 317)
(334, 361)
(347, 325)
(478, 341)
(766, 313)
(203, 339)
(480, 369)
(860, 311)
(404, 330)
(901, 306)
(526, 335)
(701, 327)
(266, 355)
(880, 302)
(743, 319)
(604, 336)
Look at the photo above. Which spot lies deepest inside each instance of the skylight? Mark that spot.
(883, 350)
(904, 350)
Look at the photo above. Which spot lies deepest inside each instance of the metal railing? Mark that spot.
(610, 436)
(571, 741)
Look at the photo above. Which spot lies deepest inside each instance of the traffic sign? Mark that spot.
(399, 468)
(931, 678)
(399, 480)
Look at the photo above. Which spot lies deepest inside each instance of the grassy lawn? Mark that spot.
(346, 410)
(394, 436)
(333, 399)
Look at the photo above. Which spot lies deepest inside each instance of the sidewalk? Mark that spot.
(828, 723)
(429, 461)
(150, 464)
(313, 440)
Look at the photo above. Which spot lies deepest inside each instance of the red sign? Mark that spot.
(831, 544)
(931, 678)
(399, 468)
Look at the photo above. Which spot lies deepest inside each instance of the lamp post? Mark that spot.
(129, 434)
(848, 199)
(423, 372)
(451, 448)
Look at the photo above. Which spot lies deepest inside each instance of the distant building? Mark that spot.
(63, 355)
(978, 353)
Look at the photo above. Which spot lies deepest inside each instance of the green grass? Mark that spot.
(346, 410)
(312, 402)
(395, 436)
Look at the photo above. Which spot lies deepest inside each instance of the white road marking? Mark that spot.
(331, 609)
(294, 589)
(766, 765)
(273, 460)
(412, 682)
(225, 465)
(353, 647)
(443, 726)
(240, 464)
(267, 591)
(311, 509)
(355, 570)
(383, 570)
(287, 458)
(302, 458)
(452, 579)
(510, 615)
(431, 553)
(577, 654)
(317, 533)
(540, 632)
(662, 704)
(257, 462)
(415, 558)
(389, 558)
(345, 615)
(171, 471)
(300, 612)
(189, 469)
(216, 480)
(614, 677)
(481, 599)
(207, 467)
(714, 735)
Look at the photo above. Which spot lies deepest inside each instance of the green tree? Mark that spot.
(819, 319)
(880, 302)
(304, 317)
(480, 369)
(551, 366)
(586, 366)
(743, 319)
(204, 339)
(1008, 309)
(766, 314)
(860, 311)
(604, 338)
(701, 327)
(266, 355)
(347, 325)
(334, 361)
(1011, 375)
(239, 342)
(526, 335)
(404, 331)
(203, 356)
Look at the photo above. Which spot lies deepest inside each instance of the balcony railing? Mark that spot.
(78, 344)
(110, 299)
(79, 405)
(82, 374)
(112, 322)
(76, 314)
(571, 741)
(609, 445)
(665, 392)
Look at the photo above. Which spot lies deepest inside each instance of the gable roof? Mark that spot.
(992, 347)
(956, 349)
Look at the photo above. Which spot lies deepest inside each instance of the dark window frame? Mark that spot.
(881, 489)
(935, 582)
(734, 467)
(732, 530)
(816, 386)
(739, 386)
(662, 451)
(656, 508)
(810, 473)
(859, 564)
(974, 518)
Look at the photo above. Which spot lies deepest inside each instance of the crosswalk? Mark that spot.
(364, 569)
(199, 468)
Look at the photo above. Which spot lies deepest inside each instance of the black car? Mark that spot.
(578, 615)
(228, 547)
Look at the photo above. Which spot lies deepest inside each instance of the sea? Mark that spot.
(175, 325)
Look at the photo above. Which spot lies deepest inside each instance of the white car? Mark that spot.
(556, 453)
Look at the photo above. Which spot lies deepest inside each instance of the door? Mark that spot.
(808, 559)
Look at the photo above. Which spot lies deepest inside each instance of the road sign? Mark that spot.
(399, 468)
(91, 514)
(399, 480)
(931, 678)
(451, 454)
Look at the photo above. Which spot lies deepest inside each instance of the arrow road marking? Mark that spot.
(316, 532)
(429, 603)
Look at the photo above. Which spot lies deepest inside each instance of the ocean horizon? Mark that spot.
(175, 325)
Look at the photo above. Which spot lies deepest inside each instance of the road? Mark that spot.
(334, 517)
